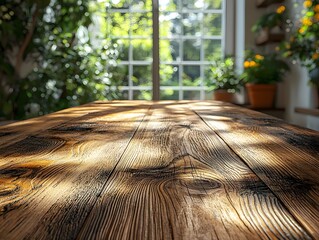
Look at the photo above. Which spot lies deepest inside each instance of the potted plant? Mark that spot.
(269, 27)
(224, 80)
(303, 44)
(261, 73)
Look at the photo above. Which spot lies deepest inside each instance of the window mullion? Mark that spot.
(156, 60)
(181, 46)
(202, 56)
(130, 55)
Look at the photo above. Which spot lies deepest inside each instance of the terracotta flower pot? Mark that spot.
(223, 95)
(270, 35)
(261, 95)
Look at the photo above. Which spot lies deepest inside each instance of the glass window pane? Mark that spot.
(185, 32)
(122, 46)
(212, 49)
(119, 75)
(191, 23)
(193, 4)
(138, 5)
(169, 50)
(142, 75)
(167, 5)
(212, 24)
(120, 4)
(207, 73)
(208, 95)
(169, 75)
(213, 4)
(191, 75)
(191, 95)
(169, 94)
(119, 24)
(123, 95)
(142, 95)
(170, 24)
(141, 24)
(191, 50)
(142, 49)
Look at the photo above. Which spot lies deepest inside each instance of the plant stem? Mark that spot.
(26, 41)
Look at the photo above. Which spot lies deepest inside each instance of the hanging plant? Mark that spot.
(303, 44)
(271, 20)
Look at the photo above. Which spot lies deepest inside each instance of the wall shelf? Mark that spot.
(275, 112)
(266, 36)
(266, 3)
(308, 111)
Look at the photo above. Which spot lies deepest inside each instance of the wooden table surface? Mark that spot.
(158, 170)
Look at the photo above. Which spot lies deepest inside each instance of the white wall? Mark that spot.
(300, 94)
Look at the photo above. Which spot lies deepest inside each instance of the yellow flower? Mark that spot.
(281, 9)
(301, 30)
(315, 56)
(246, 64)
(259, 57)
(289, 53)
(316, 8)
(253, 64)
(307, 4)
(306, 21)
(317, 16)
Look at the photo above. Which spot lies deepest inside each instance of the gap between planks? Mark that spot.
(289, 166)
(256, 173)
(112, 171)
(100, 225)
(97, 129)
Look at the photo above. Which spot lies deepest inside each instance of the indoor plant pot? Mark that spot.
(223, 79)
(223, 95)
(266, 35)
(265, 3)
(261, 95)
(261, 73)
(270, 27)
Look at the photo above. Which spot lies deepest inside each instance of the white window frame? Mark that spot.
(227, 38)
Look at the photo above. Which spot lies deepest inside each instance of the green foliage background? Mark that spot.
(56, 54)
(59, 65)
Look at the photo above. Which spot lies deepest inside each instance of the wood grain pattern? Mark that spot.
(284, 156)
(50, 180)
(16, 131)
(178, 180)
(157, 170)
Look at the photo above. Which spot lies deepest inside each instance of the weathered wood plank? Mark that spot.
(17, 131)
(51, 180)
(178, 180)
(284, 156)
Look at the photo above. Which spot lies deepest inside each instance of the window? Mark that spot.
(191, 34)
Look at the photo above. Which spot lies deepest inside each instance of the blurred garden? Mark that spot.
(48, 59)
(60, 53)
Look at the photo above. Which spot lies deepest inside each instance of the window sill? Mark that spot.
(275, 112)
(308, 111)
